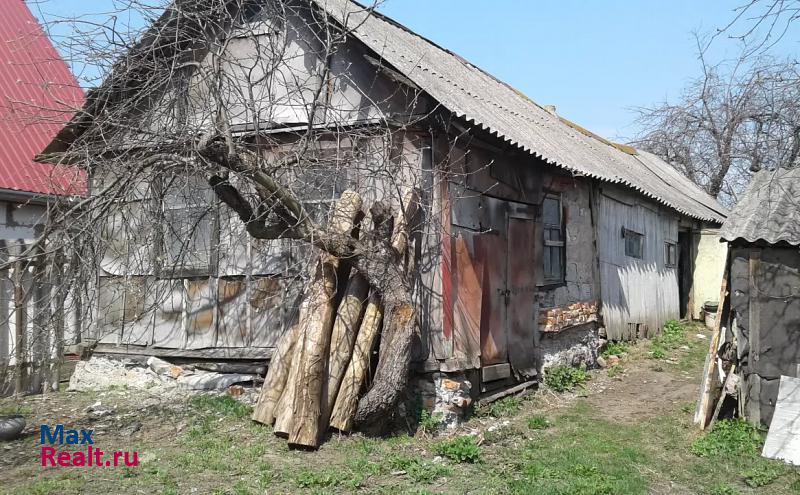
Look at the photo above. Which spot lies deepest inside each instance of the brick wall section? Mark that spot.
(553, 320)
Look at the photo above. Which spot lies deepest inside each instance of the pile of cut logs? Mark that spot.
(321, 364)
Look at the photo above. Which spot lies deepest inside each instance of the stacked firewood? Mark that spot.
(321, 364)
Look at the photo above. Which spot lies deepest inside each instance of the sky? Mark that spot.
(596, 61)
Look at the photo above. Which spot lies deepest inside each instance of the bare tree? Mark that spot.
(239, 122)
(735, 119)
(762, 23)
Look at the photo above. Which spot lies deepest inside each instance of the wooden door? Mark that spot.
(521, 301)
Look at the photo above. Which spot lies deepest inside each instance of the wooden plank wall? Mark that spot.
(35, 327)
(638, 295)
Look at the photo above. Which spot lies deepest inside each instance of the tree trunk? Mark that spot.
(314, 344)
(394, 361)
(347, 399)
(277, 375)
(345, 330)
(283, 412)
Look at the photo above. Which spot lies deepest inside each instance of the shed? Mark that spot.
(763, 232)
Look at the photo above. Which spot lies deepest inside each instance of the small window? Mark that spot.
(634, 243)
(554, 245)
(188, 221)
(670, 254)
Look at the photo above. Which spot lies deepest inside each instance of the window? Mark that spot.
(670, 254)
(187, 228)
(634, 243)
(554, 245)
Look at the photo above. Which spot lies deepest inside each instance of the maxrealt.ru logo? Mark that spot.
(91, 456)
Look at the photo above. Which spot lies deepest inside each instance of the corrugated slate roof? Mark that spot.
(490, 104)
(769, 210)
(39, 94)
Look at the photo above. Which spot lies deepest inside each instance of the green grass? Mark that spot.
(583, 455)
(672, 337)
(729, 437)
(615, 370)
(429, 423)
(459, 449)
(574, 447)
(221, 405)
(615, 349)
(418, 469)
(538, 422)
(739, 443)
(565, 378)
(507, 406)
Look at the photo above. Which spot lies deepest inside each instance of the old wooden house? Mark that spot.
(762, 312)
(538, 239)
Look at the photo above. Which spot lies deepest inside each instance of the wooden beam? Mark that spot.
(708, 385)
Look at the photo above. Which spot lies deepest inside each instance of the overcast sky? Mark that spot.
(594, 60)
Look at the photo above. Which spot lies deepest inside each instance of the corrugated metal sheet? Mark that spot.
(39, 94)
(769, 210)
(492, 105)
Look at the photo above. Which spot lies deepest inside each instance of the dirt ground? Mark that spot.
(627, 430)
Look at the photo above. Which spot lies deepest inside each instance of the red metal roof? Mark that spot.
(38, 95)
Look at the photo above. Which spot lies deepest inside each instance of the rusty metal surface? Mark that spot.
(494, 106)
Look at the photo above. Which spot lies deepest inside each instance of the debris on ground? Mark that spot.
(101, 373)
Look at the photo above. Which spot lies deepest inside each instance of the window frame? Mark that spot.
(670, 247)
(192, 210)
(629, 233)
(560, 245)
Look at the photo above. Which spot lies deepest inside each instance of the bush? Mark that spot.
(563, 378)
(729, 437)
(461, 449)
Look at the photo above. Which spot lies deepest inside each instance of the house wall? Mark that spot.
(638, 295)
(499, 314)
(226, 291)
(709, 268)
